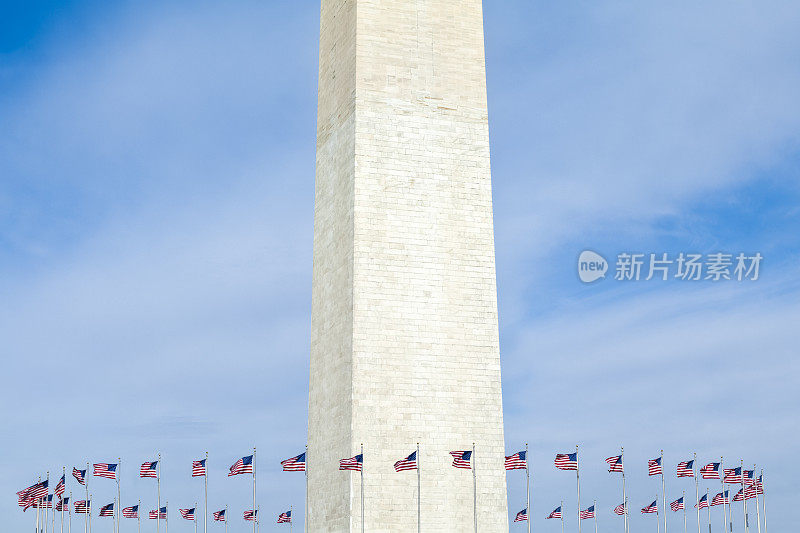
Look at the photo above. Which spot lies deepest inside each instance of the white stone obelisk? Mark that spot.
(404, 345)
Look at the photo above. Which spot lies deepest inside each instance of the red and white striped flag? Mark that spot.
(106, 470)
(566, 461)
(710, 471)
(131, 512)
(652, 508)
(620, 509)
(285, 518)
(686, 469)
(462, 459)
(614, 463)
(654, 467)
(677, 505)
(517, 461)
(199, 468)
(187, 514)
(407, 463)
(149, 469)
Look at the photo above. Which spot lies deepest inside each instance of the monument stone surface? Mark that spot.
(404, 344)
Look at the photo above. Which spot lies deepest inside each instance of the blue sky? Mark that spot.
(156, 209)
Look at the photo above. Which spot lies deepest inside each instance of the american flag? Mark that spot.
(620, 509)
(187, 514)
(27, 497)
(652, 508)
(587, 513)
(106, 470)
(686, 469)
(285, 518)
(149, 469)
(720, 499)
(219, 516)
(61, 486)
(242, 466)
(749, 493)
(614, 463)
(250, 514)
(518, 461)
(555, 514)
(63, 504)
(567, 461)
(161, 514)
(749, 477)
(654, 467)
(407, 463)
(83, 507)
(733, 475)
(462, 459)
(44, 503)
(522, 515)
(703, 503)
(677, 505)
(199, 468)
(760, 485)
(131, 512)
(710, 471)
(353, 463)
(80, 475)
(295, 464)
(107, 510)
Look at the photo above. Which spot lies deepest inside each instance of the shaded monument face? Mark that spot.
(404, 313)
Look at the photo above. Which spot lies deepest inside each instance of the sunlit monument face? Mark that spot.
(404, 314)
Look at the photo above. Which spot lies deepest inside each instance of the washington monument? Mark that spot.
(404, 346)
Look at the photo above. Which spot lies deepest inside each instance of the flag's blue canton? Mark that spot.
(247, 460)
(466, 456)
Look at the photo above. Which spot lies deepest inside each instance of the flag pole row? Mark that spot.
(38, 496)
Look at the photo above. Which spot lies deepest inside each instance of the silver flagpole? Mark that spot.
(362, 487)
(658, 520)
(696, 474)
(419, 493)
(226, 518)
(64, 475)
(139, 517)
(664, 491)
(69, 515)
(158, 489)
(528, 488)
(722, 482)
(89, 506)
(205, 505)
(562, 516)
(595, 515)
(764, 501)
(87, 517)
(744, 500)
(684, 511)
(730, 513)
(758, 508)
(254, 489)
(195, 517)
(708, 508)
(119, 494)
(474, 488)
(305, 521)
(578, 481)
(291, 507)
(38, 506)
(166, 515)
(46, 502)
(624, 496)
